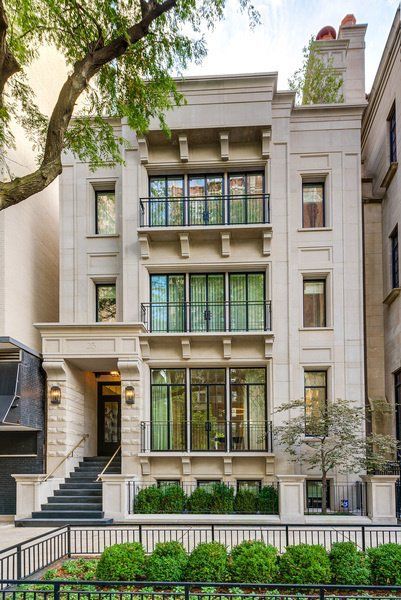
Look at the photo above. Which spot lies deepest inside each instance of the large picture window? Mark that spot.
(247, 202)
(167, 294)
(315, 394)
(168, 391)
(105, 212)
(208, 409)
(206, 204)
(166, 201)
(314, 303)
(313, 209)
(247, 306)
(248, 408)
(106, 306)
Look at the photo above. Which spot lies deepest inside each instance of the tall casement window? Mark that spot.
(208, 409)
(207, 301)
(315, 394)
(206, 204)
(395, 277)
(246, 202)
(166, 206)
(313, 209)
(247, 296)
(106, 306)
(105, 213)
(397, 401)
(167, 294)
(168, 393)
(314, 302)
(392, 129)
(248, 408)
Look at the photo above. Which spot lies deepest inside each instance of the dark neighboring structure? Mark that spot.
(22, 417)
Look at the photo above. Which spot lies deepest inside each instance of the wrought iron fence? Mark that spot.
(176, 317)
(148, 590)
(342, 498)
(208, 436)
(204, 210)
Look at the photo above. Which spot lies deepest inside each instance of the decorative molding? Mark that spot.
(143, 150)
(270, 465)
(391, 171)
(268, 347)
(55, 370)
(145, 466)
(228, 466)
(227, 347)
(224, 145)
(225, 244)
(145, 348)
(266, 242)
(184, 151)
(184, 244)
(266, 137)
(129, 369)
(186, 466)
(144, 245)
(186, 349)
(391, 296)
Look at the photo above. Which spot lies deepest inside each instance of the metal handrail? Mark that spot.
(108, 464)
(62, 461)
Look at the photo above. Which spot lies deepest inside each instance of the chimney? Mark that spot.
(354, 74)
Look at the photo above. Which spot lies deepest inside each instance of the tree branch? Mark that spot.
(8, 63)
(21, 188)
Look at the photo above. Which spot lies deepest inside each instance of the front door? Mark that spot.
(109, 418)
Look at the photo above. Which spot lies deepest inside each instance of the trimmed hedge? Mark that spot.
(253, 562)
(200, 501)
(385, 564)
(148, 500)
(305, 564)
(167, 562)
(207, 562)
(122, 562)
(348, 566)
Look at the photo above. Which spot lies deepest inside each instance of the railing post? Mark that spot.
(186, 591)
(363, 538)
(140, 533)
(19, 561)
(321, 593)
(287, 536)
(69, 541)
(56, 590)
(212, 532)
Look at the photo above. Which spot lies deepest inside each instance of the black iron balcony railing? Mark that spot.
(206, 436)
(205, 210)
(176, 317)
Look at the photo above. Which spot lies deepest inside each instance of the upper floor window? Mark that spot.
(393, 134)
(395, 278)
(314, 303)
(313, 205)
(105, 212)
(315, 395)
(106, 302)
(166, 207)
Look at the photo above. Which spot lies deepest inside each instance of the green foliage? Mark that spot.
(122, 562)
(200, 501)
(167, 562)
(148, 500)
(305, 564)
(246, 501)
(317, 81)
(222, 499)
(348, 565)
(253, 562)
(207, 562)
(172, 499)
(385, 564)
(268, 500)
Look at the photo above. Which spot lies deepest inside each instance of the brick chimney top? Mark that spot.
(348, 20)
(327, 33)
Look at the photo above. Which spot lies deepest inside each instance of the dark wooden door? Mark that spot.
(109, 418)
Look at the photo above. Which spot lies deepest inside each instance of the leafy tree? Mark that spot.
(332, 437)
(317, 81)
(120, 55)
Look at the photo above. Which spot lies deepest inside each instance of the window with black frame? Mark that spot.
(168, 409)
(392, 127)
(395, 277)
(106, 305)
(314, 302)
(247, 302)
(205, 202)
(167, 303)
(248, 409)
(208, 409)
(313, 205)
(246, 203)
(105, 212)
(166, 203)
(315, 395)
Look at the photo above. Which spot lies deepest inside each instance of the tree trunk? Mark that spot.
(324, 493)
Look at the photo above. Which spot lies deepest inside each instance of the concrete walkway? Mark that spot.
(10, 535)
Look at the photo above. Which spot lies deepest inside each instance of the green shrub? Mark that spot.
(222, 499)
(253, 562)
(305, 564)
(268, 500)
(122, 562)
(207, 562)
(385, 564)
(246, 502)
(200, 501)
(348, 566)
(172, 499)
(148, 500)
(167, 562)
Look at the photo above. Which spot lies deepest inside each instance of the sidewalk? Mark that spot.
(10, 535)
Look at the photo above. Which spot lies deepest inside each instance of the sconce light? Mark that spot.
(130, 394)
(115, 373)
(55, 394)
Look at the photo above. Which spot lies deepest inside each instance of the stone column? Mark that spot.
(131, 375)
(32, 491)
(380, 494)
(291, 498)
(116, 495)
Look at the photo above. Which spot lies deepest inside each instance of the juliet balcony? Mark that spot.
(206, 436)
(203, 317)
(205, 211)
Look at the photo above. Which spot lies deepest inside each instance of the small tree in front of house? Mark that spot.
(331, 437)
(317, 81)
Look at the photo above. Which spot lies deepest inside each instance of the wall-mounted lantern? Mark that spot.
(130, 394)
(55, 394)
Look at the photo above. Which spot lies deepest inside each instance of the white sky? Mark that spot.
(276, 44)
